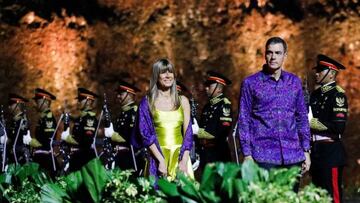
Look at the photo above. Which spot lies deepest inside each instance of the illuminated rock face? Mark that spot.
(69, 46)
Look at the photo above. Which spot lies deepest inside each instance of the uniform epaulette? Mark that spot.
(135, 107)
(339, 89)
(84, 113)
(49, 115)
(227, 101)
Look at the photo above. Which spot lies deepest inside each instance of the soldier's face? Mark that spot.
(166, 79)
(275, 56)
(40, 104)
(120, 98)
(328, 77)
(212, 90)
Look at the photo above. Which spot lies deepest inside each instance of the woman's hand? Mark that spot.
(162, 168)
(183, 163)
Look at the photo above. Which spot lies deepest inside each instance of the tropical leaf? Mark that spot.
(52, 193)
(168, 188)
(95, 178)
(27, 170)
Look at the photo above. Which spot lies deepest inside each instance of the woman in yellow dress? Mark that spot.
(165, 124)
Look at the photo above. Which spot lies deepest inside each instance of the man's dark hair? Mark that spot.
(276, 40)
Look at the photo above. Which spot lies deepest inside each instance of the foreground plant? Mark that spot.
(246, 183)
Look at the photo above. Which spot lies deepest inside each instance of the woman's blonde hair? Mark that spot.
(161, 66)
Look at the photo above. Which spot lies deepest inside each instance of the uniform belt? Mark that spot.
(39, 151)
(325, 141)
(207, 143)
(121, 148)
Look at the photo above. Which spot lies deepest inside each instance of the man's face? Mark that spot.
(319, 75)
(12, 107)
(40, 104)
(211, 90)
(121, 97)
(85, 103)
(275, 55)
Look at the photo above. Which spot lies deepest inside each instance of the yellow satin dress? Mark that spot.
(168, 127)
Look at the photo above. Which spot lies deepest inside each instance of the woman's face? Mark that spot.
(166, 79)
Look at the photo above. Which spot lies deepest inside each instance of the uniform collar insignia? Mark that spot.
(44, 113)
(216, 99)
(328, 87)
(127, 107)
(87, 112)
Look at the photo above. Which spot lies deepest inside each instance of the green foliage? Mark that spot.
(22, 183)
(220, 183)
(246, 183)
(122, 187)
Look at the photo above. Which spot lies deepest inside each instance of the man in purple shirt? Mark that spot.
(273, 124)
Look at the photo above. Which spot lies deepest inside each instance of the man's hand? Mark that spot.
(109, 131)
(27, 138)
(306, 164)
(2, 139)
(195, 127)
(248, 158)
(65, 134)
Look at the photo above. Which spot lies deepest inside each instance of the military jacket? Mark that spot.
(216, 118)
(125, 121)
(14, 127)
(330, 108)
(85, 128)
(45, 129)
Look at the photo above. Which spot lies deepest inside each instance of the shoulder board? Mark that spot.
(339, 89)
(49, 115)
(85, 113)
(227, 101)
(92, 113)
(135, 107)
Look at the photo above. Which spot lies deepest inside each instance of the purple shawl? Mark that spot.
(146, 136)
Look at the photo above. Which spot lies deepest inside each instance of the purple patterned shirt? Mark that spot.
(273, 125)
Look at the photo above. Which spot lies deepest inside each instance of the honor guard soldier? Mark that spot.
(215, 122)
(124, 125)
(18, 131)
(84, 131)
(45, 129)
(329, 109)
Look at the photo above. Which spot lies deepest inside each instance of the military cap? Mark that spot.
(86, 94)
(324, 62)
(180, 87)
(14, 98)
(43, 94)
(214, 77)
(126, 87)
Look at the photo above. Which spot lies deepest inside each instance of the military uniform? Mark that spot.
(216, 121)
(44, 131)
(329, 107)
(22, 151)
(83, 133)
(124, 125)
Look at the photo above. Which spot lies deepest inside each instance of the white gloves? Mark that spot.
(195, 127)
(310, 114)
(109, 131)
(2, 139)
(27, 138)
(65, 134)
